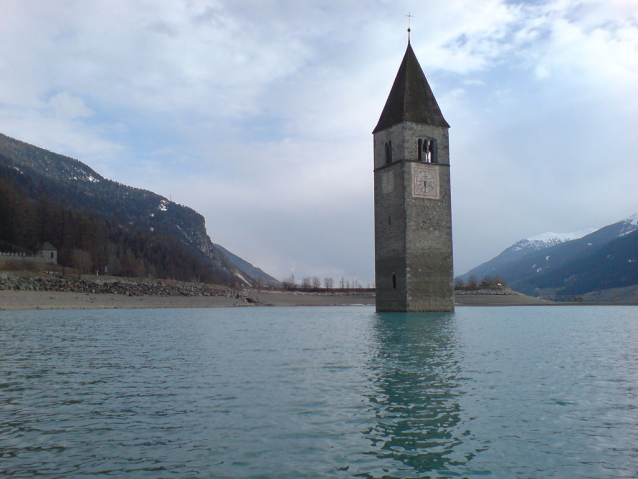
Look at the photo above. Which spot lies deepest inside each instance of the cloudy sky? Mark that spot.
(258, 113)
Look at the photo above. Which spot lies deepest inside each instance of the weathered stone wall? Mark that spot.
(4, 257)
(413, 234)
(389, 194)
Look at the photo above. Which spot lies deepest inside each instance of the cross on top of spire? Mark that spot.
(409, 17)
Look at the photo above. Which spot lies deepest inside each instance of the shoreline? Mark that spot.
(12, 300)
(24, 291)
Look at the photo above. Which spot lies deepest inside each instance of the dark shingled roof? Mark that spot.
(411, 98)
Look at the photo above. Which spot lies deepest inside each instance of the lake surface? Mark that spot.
(526, 392)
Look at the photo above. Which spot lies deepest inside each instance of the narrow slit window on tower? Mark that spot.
(388, 152)
(394, 281)
(420, 158)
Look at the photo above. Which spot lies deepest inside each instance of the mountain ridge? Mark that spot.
(47, 175)
(611, 266)
(538, 265)
(520, 249)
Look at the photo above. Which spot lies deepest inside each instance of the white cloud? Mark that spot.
(258, 113)
(68, 107)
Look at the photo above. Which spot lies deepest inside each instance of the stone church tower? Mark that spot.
(412, 207)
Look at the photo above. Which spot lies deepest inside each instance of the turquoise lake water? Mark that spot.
(514, 392)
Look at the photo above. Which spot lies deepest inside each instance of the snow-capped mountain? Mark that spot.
(629, 225)
(612, 267)
(547, 240)
(524, 262)
(521, 249)
(544, 241)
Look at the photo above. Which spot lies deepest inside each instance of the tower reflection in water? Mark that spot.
(416, 383)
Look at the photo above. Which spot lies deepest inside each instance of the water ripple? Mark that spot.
(319, 392)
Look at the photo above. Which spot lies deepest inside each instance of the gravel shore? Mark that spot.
(15, 300)
(42, 291)
(32, 291)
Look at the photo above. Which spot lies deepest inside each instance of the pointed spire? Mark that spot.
(411, 98)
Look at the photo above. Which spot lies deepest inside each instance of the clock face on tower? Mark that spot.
(425, 181)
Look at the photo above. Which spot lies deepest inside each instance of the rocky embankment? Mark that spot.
(495, 297)
(486, 292)
(127, 287)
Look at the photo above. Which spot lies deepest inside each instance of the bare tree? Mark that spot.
(327, 283)
(289, 282)
(342, 283)
(132, 266)
(81, 260)
(316, 282)
(306, 283)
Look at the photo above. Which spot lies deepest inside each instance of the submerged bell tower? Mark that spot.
(412, 204)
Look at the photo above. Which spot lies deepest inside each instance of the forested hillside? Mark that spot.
(125, 231)
(91, 243)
